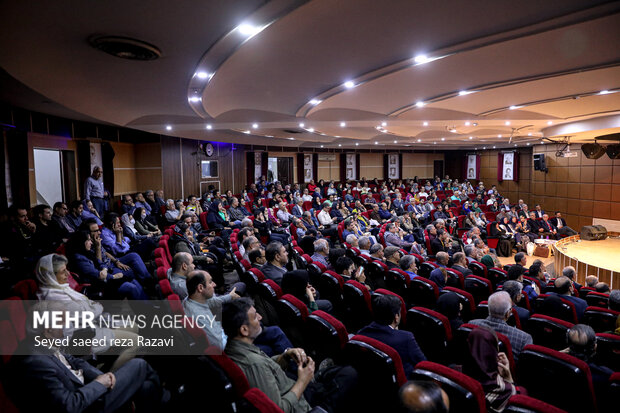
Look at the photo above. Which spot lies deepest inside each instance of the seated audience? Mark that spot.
(564, 289)
(297, 283)
(515, 290)
(450, 305)
(277, 258)
(392, 257)
(439, 275)
(408, 264)
(423, 397)
(182, 265)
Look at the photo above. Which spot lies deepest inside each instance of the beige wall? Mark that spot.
(329, 170)
(371, 165)
(420, 164)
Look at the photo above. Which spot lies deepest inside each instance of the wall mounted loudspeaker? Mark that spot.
(539, 162)
(593, 150)
(613, 151)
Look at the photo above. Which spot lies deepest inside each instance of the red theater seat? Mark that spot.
(520, 403)
(548, 331)
(432, 331)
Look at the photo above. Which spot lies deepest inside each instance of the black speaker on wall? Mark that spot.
(593, 150)
(539, 162)
(613, 151)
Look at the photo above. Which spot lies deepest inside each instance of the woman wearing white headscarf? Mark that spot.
(143, 245)
(53, 279)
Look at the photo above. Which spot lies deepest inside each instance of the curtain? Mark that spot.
(3, 194)
(357, 167)
(17, 149)
(516, 167)
(250, 164)
(300, 168)
(107, 154)
(83, 163)
(386, 161)
(343, 167)
(264, 163)
(400, 166)
(500, 167)
(315, 166)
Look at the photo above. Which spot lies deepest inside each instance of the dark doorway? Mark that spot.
(438, 168)
(285, 170)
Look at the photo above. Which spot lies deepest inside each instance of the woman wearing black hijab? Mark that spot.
(297, 284)
(490, 367)
(449, 304)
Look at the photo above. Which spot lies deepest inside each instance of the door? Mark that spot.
(438, 169)
(285, 170)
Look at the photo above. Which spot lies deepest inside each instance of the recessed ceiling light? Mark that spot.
(322, 134)
(484, 147)
(453, 130)
(515, 144)
(343, 124)
(425, 124)
(529, 134)
(376, 143)
(209, 126)
(494, 147)
(465, 92)
(247, 132)
(291, 138)
(337, 136)
(339, 144)
(507, 123)
(434, 143)
(315, 101)
(349, 84)
(357, 144)
(310, 130)
(384, 124)
(513, 107)
(475, 124)
(419, 103)
(419, 140)
(195, 99)
(384, 131)
(321, 146)
(499, 136)
(549, 123)
(255, 125)
(301, 125)
(604, 92)
(471, 137)
(543, 142)
(203, 75)
(528, 144)
(421, 59)
(395, 141)
(168, 127)
(443, 139)
(467, 123)
(247, 29)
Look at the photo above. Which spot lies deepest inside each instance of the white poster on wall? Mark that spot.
(308, 168)
(351, 167)
(258, 165)
(393, 166)
(95, 155)
(471, 167)
(508, 167)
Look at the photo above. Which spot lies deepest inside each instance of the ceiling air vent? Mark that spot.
(125, 47)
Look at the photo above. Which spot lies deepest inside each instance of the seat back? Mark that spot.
(403, 306)
(601, 319)
(565, 311)
(293, 314)
(478, 269)
(358, 305)
(608, 350)
(255, 401)
(26, 289)
(466, 394)
(460, 348)
(269, 290)
(326, 335)
(548, 331)
(469, 304)
(432, 331)
(164, 288)
(455, 278)
(520, 403)
(595, 299)
(376, 274)
(380, 371)
(330, 287)
(399, 282)
(480, 288)
(539, 370)
(423, 292)
(426, 268)
(497, 276)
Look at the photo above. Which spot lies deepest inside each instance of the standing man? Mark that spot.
(93, 190)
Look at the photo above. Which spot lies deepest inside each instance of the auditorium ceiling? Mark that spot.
(324, 73)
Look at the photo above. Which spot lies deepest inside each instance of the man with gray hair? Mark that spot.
(321, 252)
(364, 245)
(564, 288)
(352, 241)
(614, 300)
(515, 290)
(570, 273)
(376, 252)
(500, 308)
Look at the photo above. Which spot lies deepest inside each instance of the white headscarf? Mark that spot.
(129, 223)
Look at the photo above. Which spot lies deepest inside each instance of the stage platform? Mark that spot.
(600, 258)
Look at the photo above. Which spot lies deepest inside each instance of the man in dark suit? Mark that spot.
(535, 228)
(514, 289)
(539, 211)
(460, 264)
(440, 243)
(49, 380)
(386, 310)
(560, 224)
(548, 228)
(564, 288)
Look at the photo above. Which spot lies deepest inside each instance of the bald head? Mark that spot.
(442, 257)
(424, 396)
(563, 285)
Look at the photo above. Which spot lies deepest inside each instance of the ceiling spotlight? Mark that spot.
(467, 123)
(528, 144)
(376, 143)
(310, 130)
(443, 139)
(209, 126)
(321, 146)
(425, 124)
(419, 140)
(195, 99)
(515, 144)
(247, 132)
(507, 123)
(395, 141)
(349, 84)
(549, 123)
(475, 124)
(357, 144)
(465, 92)
(337, 136)
(384, 131)
(453, 130)
(604, 92)
(291, 139)
(315, 101)
(513, 107)
(168, 127)
(471, 137)
(421, 59)
(203, 75)
(339, 144)
(499, 136)
(247, 29)
(255, 125)
(484, 147)
(529, 134)
(343, 124)
(384, 124)
(494, 147)
(419, 103)
(434, 143)
(301, 125)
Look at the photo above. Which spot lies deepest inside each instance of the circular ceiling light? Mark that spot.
(125, 47)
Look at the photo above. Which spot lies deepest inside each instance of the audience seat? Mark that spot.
(566, 311)
(162, 273)
(164, 288)
(583, 291)
(557, 378)
(460, 348)
(478, 269)
(455, 278)
(9, 341)
(497, 276)
(466, 394)
(432, 331)
(469, 304)
(423, 292)
(608, 350)
(376, 274)
(531, 280)
(330, 287)
(480, 288)
(269, 290)
(176, 307)
(293, 314)
(163, 243)
(26, 289)
(326, 336)
(426, 268)
(520, 403)
(398, 281)
(380, 371)
(595, 299)
(12, 309)
(255, 401)
(548, 331)
(358, 304)
(160, 252)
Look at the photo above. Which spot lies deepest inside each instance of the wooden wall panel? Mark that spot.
(171, 167)
(371, 165)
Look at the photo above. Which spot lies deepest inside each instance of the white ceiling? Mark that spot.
(550, 58)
